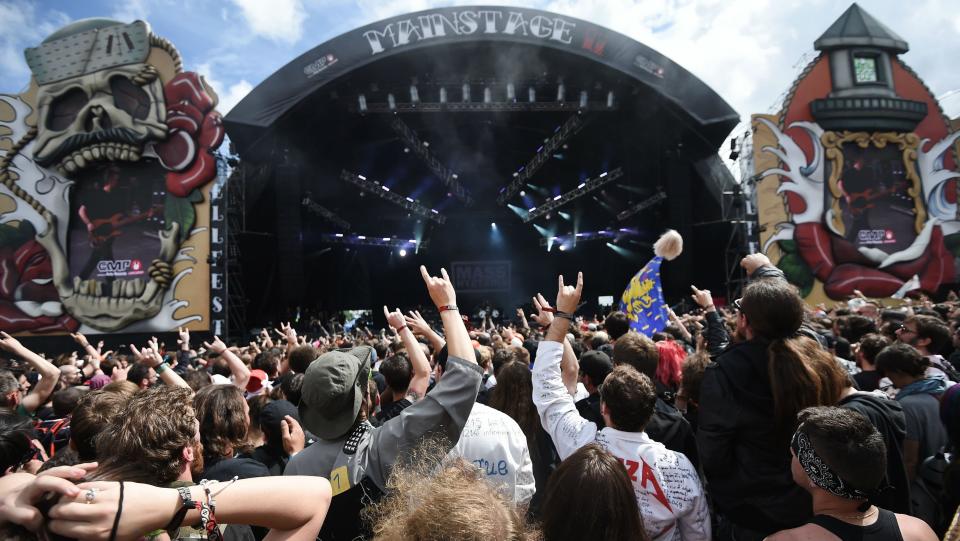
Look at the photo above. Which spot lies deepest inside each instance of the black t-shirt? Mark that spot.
(392, 410)
(275, 460)
(868, 381)
(226, 469)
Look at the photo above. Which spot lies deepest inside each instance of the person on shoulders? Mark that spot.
(840, 459)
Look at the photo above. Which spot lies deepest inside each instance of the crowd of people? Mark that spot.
(765, 419)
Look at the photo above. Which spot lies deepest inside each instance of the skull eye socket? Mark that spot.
(64, 109)
(130, 97)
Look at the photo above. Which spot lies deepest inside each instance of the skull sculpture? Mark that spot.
(103, 106)
(98, 117)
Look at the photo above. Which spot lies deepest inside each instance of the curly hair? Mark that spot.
(146, 440)
(471, 509)
(221, 410)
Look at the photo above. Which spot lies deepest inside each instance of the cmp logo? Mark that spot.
(876, 236)
(319, 65)
(120, 267)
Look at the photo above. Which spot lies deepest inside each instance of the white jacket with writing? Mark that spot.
(493, 442)
(668, 490)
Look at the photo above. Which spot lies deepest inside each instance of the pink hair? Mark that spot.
(672, 355)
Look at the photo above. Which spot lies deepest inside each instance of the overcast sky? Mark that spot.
(749, 51)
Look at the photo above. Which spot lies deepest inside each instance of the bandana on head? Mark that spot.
(818, 470)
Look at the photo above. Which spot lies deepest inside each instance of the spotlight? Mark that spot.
(523, 193)
(403, 253)
(563, 248)
(362, 101)
(493, 225)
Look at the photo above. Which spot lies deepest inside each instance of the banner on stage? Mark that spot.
(480, 276)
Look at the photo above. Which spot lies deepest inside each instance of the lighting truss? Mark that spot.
(544, 153)
(576, 238)
(385, 192)
(372, 240)
(446, 176)
(584, 188)
(646, 203)
(325, 213)
(482, 107)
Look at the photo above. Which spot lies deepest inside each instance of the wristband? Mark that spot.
(398, 329)
(162, 367)
(187, 503)
(448, 307)
(564, 315)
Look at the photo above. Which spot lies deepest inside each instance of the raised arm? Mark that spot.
(444, 410)
(150, 356)
(716, 331)
(94, 365)
(558, 413)
(420, 377)
(239, 371)
(569, 366)
(49, 374)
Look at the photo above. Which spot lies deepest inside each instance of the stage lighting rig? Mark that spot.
(646, 203)
(372, 240)
(565, 242)
(582, 189)
(325, 213)
(385, 192)
(447, 177)
(563, 132)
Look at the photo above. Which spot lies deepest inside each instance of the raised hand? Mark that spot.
(217, 346)
(544, 315)
(753, 262)
(10, 343)
(394, 319)
(440, 288)
(184, 339)
(294, 440)
(289, 333)
(416, 323)
(80, 339)
(568, 297)
(702, 297)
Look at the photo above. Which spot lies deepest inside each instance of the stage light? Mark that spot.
(391, 102)
(610, 100)
(523, 193)
(361, 237)
(561, 92)
(531, 95)
(386, 239)
(603, 174)
(414, 94)
(339, 235)
(362, 102)
(581, 185)
(563, 248)
(511, 93)
(565, 215)
(403, 253)
(361, 177)
(583, 99)
(410, 199)
(493, 225)
(443, 95)
(487, 95)
(466, 92)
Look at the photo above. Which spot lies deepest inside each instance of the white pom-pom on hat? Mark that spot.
(669, 245)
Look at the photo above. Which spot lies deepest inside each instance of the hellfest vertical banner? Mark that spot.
(110, 190)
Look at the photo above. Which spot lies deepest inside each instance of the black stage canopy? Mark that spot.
(432, 126)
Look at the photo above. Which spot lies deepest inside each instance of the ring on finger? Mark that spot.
(90, 495)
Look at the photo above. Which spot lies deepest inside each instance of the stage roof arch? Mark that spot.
(415, 33)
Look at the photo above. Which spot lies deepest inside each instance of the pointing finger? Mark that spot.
(560, 282)
(425, 274)
(579, 282)
(443, 272)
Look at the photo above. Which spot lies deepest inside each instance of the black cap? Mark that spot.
(597, 365)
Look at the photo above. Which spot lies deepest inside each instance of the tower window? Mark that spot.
(865, 69)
